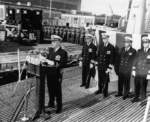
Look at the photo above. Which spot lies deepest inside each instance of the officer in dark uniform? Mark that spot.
(88, 55)
(68, 34)
(46, 31)
(82, 36)
(126, 60)
(72, 35)
(141, 71)
(106, 54)
(55, 73)
(77, 37)
(56, 31)
(52, 30)
(64, 35)
(61, 32)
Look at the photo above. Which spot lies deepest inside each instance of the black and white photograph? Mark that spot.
(74, 60)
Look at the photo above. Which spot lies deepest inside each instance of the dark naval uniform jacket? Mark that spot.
(142, 63)
(126, 60)
(106, 56)
(142, 68)
(59, 57)
(88, 53)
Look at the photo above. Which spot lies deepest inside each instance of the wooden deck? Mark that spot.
(79, 104)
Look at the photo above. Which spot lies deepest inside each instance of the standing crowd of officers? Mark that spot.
(127, 63)
(68, 34)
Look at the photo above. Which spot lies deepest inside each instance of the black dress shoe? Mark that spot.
(131, 95)
(105, 95)
(124, 97)
(58, 111)
(82, 85)
(135, 100)
(47, 112)
(86, 87)
(98, 92)
(118, 95)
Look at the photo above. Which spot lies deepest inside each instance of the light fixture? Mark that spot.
(28, 3)
(18, 3)
(37, 13)
(25, 12)
(17, 11)
(10, 11)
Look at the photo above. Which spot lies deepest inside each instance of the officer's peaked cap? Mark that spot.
(145, 39)
(56, 38)
(128, 39)
(89, 35)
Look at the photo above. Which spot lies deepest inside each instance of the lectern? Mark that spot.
(35, 68)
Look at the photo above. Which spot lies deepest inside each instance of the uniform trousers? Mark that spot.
(140, 86)
(91, 73)
(103, 80)
(85, 73)
(54, 87)
(124, 84)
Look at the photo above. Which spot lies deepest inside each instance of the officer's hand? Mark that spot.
(42, 60)
(133, 73)
(91, 66)
(80, 63)
(57, 58)
(108, 70)
(148, 77)
(50, 62)
(92, 61)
